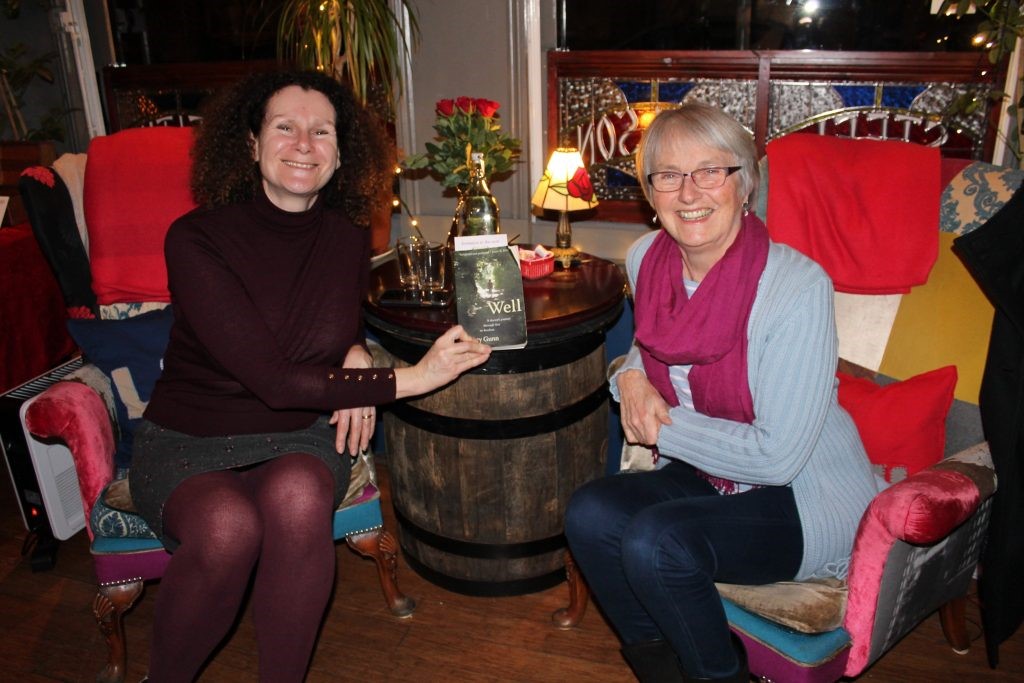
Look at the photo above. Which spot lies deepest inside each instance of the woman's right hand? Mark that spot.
(644, 411)
(452, 354)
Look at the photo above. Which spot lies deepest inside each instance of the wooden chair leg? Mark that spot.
(953, 617)
(109, 606)
(579, 594)
(383, 548)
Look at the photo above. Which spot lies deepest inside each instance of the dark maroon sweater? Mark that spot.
(266, 305)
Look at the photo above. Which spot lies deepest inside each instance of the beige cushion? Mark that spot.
(813, 606)
(362, 474)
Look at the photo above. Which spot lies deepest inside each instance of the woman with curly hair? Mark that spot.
(267, 390)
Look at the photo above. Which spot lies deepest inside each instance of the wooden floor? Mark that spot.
(48, 632)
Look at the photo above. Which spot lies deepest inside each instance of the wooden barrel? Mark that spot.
(482, 470)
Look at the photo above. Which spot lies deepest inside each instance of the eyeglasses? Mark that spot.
(707, 178)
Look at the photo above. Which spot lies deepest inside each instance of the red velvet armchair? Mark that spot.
(919, 542)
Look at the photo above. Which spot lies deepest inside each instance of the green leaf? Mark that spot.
(358, 41)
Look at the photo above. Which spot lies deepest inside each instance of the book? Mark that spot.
(489, 300)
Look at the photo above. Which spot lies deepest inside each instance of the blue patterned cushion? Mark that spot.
(975, 195)
(110, 522)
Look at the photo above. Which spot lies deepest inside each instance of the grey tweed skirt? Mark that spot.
(163, 458)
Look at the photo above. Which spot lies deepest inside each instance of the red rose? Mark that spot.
(446, 107)
(486, 107)
(40, 173)
(465, 104)
(580, 186)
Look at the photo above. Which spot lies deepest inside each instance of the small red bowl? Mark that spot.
(536, 268)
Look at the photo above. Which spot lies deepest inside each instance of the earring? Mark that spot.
(655, 219)
(746, 208)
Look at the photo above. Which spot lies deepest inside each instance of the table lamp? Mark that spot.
(565, 187)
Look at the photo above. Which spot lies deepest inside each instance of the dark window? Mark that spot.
(866, 25)
(172, 31)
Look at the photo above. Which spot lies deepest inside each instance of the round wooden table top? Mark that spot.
(567, 302)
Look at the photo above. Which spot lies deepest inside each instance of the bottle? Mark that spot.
(477, 212)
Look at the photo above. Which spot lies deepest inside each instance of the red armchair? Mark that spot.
(135, 184)
(919, 542)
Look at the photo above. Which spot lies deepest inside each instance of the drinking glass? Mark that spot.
(407, 250)
(431, 266)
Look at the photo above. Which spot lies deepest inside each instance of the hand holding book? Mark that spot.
(451, 354)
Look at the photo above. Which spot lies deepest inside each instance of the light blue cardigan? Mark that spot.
(800, 436)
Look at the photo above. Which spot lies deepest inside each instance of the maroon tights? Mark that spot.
(276, 517)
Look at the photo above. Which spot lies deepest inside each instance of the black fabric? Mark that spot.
(52, 217)
(742, 674)
(162, 459)
(653, 662)
(994, 255)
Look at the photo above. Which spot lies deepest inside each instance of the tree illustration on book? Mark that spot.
(489, 293)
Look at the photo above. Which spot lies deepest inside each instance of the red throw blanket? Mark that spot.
(866, 210)
(34, 337)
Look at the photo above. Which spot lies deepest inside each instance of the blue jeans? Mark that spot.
(651, 545)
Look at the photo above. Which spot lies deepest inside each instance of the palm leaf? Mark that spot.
(357, 41)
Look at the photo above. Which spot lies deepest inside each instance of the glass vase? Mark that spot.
(477, 211)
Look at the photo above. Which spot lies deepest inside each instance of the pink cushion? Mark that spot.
(136, 184)
(925, 509)
(902, 425)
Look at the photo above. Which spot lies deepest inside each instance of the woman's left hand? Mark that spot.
(355, 426)
(644, 411)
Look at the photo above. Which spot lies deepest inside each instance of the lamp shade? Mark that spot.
(566, 184)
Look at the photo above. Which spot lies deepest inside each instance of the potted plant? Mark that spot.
(359, 42)
(18, 70)
(998, 35)
(24, 143)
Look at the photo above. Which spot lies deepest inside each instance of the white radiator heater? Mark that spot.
(58, 483)
(42, 473)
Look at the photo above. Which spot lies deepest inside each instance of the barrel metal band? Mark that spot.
(514, 428)
(485, 589)
(483, 551)
(533, 358)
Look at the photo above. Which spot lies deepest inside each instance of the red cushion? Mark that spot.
(902, 425)
(136, 184)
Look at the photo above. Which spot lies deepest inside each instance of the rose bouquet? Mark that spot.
(466, 125)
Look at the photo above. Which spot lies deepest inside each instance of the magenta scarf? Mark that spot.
(709, 332)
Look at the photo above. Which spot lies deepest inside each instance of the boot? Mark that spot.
(654, 662)
(742, 674)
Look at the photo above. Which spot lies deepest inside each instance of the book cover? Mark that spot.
(489, 291)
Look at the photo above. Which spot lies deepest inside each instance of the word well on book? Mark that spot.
(489, 290)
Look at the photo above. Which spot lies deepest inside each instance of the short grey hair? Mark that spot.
(705, 124)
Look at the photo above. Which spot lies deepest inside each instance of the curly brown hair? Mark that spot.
(223, 169)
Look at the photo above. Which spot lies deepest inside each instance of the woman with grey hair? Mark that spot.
(759, 475)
